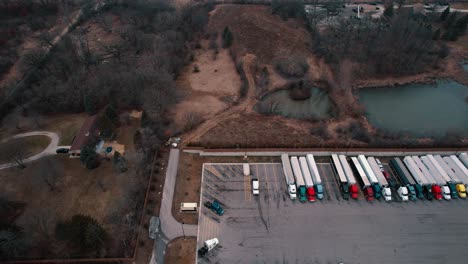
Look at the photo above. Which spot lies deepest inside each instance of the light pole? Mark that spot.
(183, 232)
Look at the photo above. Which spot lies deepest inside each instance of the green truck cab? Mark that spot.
(411, 192)
(419, 191)
(453, 190)
(302, 194)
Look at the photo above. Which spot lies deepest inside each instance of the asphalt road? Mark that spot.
(271, 228)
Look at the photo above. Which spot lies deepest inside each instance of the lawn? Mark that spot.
(28, 146)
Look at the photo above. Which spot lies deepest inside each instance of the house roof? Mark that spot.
(85, 134)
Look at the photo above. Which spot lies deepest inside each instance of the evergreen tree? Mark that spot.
(445, 14)
(227, 38)
(89, 105)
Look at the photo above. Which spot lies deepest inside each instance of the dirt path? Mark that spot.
(245, 106)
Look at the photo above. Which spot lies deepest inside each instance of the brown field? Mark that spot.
(181, 250)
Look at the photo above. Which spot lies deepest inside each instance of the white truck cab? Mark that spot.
(446, 192)
(387, 194)
(255, 187)
(403, 193)
(292, 191)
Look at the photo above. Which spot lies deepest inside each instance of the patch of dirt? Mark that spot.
(181, 250)
(200, 106)
(187, 188)
(257, 31)
(217, 76)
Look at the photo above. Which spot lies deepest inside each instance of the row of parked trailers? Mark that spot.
(302, 177)
(430, 176)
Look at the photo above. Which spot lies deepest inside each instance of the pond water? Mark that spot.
(318, 106)
(420, 109)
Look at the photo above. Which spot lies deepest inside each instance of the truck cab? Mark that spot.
(453, 190)
(354, 191)
(319, 191)
(302, 194)
(427, 191)
(387, 194)
(345, 190)
(377, 191)
(419, 191)
(292, 191)
(311, 194)
(368, 194)
(437, 192)
(403, 193)
(461, 190)
(446, 192)
(411, 192)
(255, 187)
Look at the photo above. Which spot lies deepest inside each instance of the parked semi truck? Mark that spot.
(444, 176)
(371, 176)
(289, 176)
(463, 157)
(437, 178)
(460, 166)
(353, 187)
(435, 189)
(418, 176)
(310, 191)
(460, 187)
(414, 189)
(301, 187)
(315, 176)
(344, 186)
(386, 191)
(363, 180)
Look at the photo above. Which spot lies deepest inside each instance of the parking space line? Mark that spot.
(266, 178)
(273, 167)
(247, 188)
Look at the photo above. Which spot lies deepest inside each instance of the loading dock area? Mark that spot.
(271, 228)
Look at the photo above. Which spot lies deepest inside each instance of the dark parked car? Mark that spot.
(62, 150)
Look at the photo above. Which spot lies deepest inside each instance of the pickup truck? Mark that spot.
(215, 207)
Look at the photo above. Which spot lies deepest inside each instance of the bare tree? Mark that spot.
(16, 153)
(49, 171)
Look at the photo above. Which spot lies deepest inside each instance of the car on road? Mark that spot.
(255, 187)
(62, 150)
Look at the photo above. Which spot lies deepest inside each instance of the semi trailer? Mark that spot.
(459, 187)
(418, 176)
(301, 187)
(463, 157)
(430, 183)
(455, 175)
(310, 191)
(444, 176)
(363, 180)
(414, 189)
(386, 191)
(436, 176)
(344, 186)
(315, 176)
(353, 187)
(289, 176)
(371, 176)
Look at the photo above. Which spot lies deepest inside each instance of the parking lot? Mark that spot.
(270, 228)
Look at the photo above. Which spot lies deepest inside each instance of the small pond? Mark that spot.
(318, 106)
(420, 109)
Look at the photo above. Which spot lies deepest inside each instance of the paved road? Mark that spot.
(271, 228)
(170, 228)
(50, 150)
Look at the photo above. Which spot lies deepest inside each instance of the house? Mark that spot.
(88, 131)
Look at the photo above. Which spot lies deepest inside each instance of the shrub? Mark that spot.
(292, 66)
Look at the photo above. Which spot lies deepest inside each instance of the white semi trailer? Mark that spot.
(370, 174)
(315, 176)
(386, 191)
(464, 159)
(289, 177)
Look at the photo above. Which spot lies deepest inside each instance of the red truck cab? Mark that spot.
(437, 192)
(311, 194)
(354, 191)
(369, 194)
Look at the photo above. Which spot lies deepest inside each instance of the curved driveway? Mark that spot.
(50, 150)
